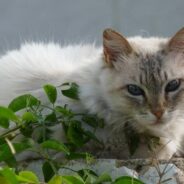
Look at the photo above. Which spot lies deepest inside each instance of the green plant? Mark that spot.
(27, 117)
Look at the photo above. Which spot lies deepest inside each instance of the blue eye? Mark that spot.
(172, 85)
(135, 90)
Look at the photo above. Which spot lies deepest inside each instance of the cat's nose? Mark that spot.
(158, 113)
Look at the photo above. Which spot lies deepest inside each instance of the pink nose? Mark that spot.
(158, 113)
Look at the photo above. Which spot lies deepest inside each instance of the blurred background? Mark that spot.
(73, 21)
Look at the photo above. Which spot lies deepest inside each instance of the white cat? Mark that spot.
(137, 82)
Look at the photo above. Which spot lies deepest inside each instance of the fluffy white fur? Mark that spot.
(27, 69)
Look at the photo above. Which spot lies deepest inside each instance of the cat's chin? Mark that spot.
(158, 122)
(154, 124)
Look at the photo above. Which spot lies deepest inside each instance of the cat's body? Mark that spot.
(103, 79)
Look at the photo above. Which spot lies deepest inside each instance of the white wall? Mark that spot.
(69, 21)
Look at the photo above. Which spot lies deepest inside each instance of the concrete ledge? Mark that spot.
(148, 170)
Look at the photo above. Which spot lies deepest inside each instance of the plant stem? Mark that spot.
(47, 107)
(62, 167)
(10, 131)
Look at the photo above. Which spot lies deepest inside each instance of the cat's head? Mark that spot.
(143, 78)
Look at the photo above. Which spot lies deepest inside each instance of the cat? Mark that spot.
(130, 82)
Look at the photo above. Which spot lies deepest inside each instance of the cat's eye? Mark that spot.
(135, 90)
(173, 85)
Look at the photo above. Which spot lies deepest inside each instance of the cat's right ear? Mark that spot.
(115, 46)
(176, 43)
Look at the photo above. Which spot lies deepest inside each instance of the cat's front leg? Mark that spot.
(166, 149)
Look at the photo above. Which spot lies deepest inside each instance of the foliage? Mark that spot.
(133, 139)
(27, 117)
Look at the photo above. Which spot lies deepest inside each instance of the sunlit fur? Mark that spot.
(103, 88)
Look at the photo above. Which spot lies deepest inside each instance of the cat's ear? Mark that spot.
(114, 45)
(176, 43)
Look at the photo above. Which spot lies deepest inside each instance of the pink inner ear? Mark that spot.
(112, 54)
(114, 45)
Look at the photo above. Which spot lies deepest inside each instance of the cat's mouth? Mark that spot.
(158, 122)
(152, 122)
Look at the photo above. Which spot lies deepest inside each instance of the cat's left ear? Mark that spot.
(176, 43)
(114, 45)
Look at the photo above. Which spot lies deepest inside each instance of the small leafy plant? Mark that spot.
(28, 125)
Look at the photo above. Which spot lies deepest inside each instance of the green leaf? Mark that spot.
(92, 136)
(103, 178)
(132, 139)
(19, 147)
(6, 154)
(42, 134)
(30, 176)
(23, 102)
(86, 173)
(127, 180)
(27, 130)
(3, 180)
(72, 92)
(48, 171)
(9, 175)
(90, 120)
(75, 155)
(55, 145)
(51, 92)
(93, 121)
(64, 111)
(72, 180)
(51, 118)
(23, 180)
(56, 180)
(2, 141)
(29, 120)
(6, 114)
(90, 178)
(29, 117)
(75, 133)
(4, 122)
